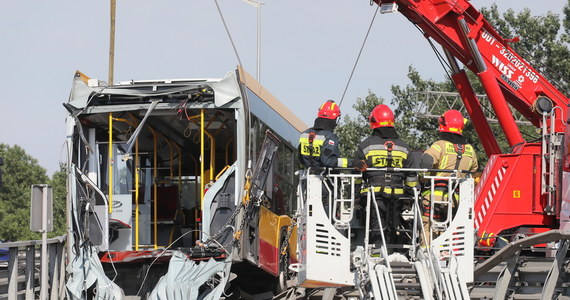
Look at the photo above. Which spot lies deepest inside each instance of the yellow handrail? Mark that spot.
(212, 154)
(137, 170)
(155, 135)
(155, 191)
(222, 172)
(110, 163)
(230, 141)
(201, 158)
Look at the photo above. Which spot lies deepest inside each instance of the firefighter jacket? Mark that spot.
(449, 156)
(386, 152)
(318, 148)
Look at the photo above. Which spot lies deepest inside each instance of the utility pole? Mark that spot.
(112, 42)
(258, 5)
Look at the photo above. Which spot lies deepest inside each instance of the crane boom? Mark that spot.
(517, 190)
(464, 32)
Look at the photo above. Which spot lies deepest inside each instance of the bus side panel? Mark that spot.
(269, 241)
(271, 227)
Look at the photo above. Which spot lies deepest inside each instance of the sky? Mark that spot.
(308, 49)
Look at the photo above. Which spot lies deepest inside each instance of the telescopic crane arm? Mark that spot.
(519, 190)
(506, 77)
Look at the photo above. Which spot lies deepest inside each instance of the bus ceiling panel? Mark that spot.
(143, 107)
(161, 108)
(83, 94)
(172, 95)
(154, 90)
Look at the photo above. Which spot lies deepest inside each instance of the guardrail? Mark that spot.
(20, 278)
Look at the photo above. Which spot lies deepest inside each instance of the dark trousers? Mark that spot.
(391, 209)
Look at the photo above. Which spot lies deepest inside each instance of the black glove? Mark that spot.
(359, 165)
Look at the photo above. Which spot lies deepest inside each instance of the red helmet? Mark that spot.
(381, 116)
(452, 121)
(329, 110)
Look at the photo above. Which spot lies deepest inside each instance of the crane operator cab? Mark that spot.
(337, 232)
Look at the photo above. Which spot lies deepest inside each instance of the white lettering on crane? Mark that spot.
(487, 37)
(502, 67)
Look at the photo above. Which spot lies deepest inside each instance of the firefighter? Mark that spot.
(318, 145)
(450, 152)
(384, 149)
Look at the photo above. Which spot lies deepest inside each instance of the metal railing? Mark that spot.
(20, 275)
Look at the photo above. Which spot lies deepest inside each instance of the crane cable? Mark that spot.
(446, 67)
(359, 53)
(228, 32)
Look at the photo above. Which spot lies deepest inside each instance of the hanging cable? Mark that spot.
(446, 67)
(246, 102)
(228, 32)
(359, 53)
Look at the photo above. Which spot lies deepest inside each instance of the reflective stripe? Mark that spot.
(378, 158)
(439, 193)
(382, 147)
(385, 123)
(443, 162)
(305, 146)
(453, 129)
(411, 183)
(342, 163)
(387, 190)
(449, 157)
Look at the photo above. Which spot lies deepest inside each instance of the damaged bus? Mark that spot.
(177, 186)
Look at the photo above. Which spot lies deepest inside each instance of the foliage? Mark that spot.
(352, 130)
(58, 182)
(542, 42)
(20, 172)
(416, 130)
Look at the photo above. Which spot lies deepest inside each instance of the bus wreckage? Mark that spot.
(175, 184)
(191, 189)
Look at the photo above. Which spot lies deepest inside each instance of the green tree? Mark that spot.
(416, 130)
(20, 172)
(542, 41)
(58, 183)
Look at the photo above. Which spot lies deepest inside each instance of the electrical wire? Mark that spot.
(359, 53)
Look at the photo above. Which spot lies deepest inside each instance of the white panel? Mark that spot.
(324, 251)
(457, 240)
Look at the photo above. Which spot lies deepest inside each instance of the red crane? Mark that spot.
(520, 190)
